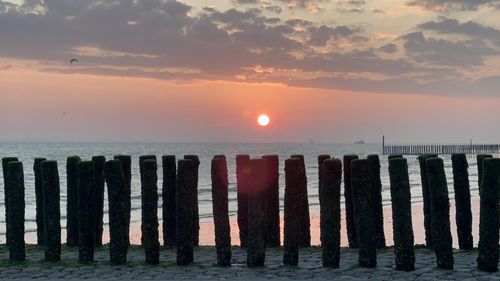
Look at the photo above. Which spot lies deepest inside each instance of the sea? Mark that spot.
(26, 152)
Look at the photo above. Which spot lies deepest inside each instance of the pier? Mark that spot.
(439, 149)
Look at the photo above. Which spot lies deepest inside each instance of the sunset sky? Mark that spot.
(334, 71)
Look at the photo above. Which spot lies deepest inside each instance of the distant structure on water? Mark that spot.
(439, 148)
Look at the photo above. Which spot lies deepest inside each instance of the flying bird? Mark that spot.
(73, 60)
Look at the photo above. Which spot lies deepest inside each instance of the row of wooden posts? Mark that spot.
(258, 207)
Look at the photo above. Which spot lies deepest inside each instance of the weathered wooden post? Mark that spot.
(365, 224)
(292, 210)
(441, 234)
(184, 211)
(462, 201)
(86, 207)
(330, 212)
(196, 214)
(220, 185)
(242, 187)
(72, 201)
(220, 156)
(480, 159)
(305, 223)
(6, 196)
(401, 214)
(168, 199)
(350, 216)
(126, 164)
(256, 252)
(376, 192)
(52, 212)
(141, 162)
(117, 184)
(15, 187)
(37, 170)
(426, 196)
(98, 213)
(149, 198)
(321, 159)
(273, 200)
(489, 217)
(394, 156)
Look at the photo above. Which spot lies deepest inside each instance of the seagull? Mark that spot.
(73, 60)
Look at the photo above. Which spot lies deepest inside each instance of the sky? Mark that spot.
(332, 71)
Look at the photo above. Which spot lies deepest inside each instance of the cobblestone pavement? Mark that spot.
(204, 267)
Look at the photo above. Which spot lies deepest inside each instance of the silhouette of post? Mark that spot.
(442, 241)
(273, 200)
(321, 159)
(149, 198)
(305, 223)
(72, 201)
(118, 187)
(168, 199)
(487, 259)
(220, 185)
(52, 212)
(426, 198)
(350, 215)
(292, 210)
(86, 189)
(220, 156)
(480, 159)
(376, 192)
(394, 156)
(98, 213)
(256, 252)
(463, 215)
(365, 223)
(37, 170)
(242, 186)
(126, 164)
(15, 187)
(6, 196)
(401, 214)
(196, 214)
(184, 193)
(330, 211)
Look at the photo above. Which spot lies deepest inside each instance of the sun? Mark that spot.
(263, 120)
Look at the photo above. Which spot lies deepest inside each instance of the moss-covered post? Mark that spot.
(273, 200)
(463, 215)
(441, 234)
(480, 158)
(72, 201)
(52, 212)
(330, 212)
(376, 192)
(98, 212)
(256, 252)
(365, 220)
(6, 196)
(350, 216)
(15, 186)
(37, 171)
(489, 217)
(184, 211)
(126, 164)
(220, 185)
(401, 214)
(168, 199)
(426, 196)
(242, 186)
(117, 184)
(305, 223)
(292, 210)
(86, 234)
(196, 212)
(149, 197)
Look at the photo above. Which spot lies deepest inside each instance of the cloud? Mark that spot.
(454, 5)
(389, 48)
(5, 66)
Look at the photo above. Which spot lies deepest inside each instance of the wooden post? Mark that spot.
(256, 252)
(426, 199)
(118, 187)
(220, 185)
(149, 199)
(305, 223)
(480, 159)
(376, 192)
(168, 199)
(126, 164)
(441, 234)
(330, 212)
(462, 201)
(86, 189)
(489, 217)
(349, 202)
(365, 224)
(321, 159)
(6, 196)
(401, 214)
(184, 193)
(37, 170)
(98, 213)
(52, 212)
(292, 210)
(273, 201)
(242, 187)
(15, 187)
(72, 201)
(196, 215)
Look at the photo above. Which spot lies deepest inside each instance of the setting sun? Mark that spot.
(263, 120)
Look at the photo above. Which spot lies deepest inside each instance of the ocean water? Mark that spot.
(26, 152)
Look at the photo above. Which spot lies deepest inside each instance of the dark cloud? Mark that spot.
(389, 48)
(453, 5)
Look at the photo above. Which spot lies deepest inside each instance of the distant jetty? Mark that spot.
(439, 149)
